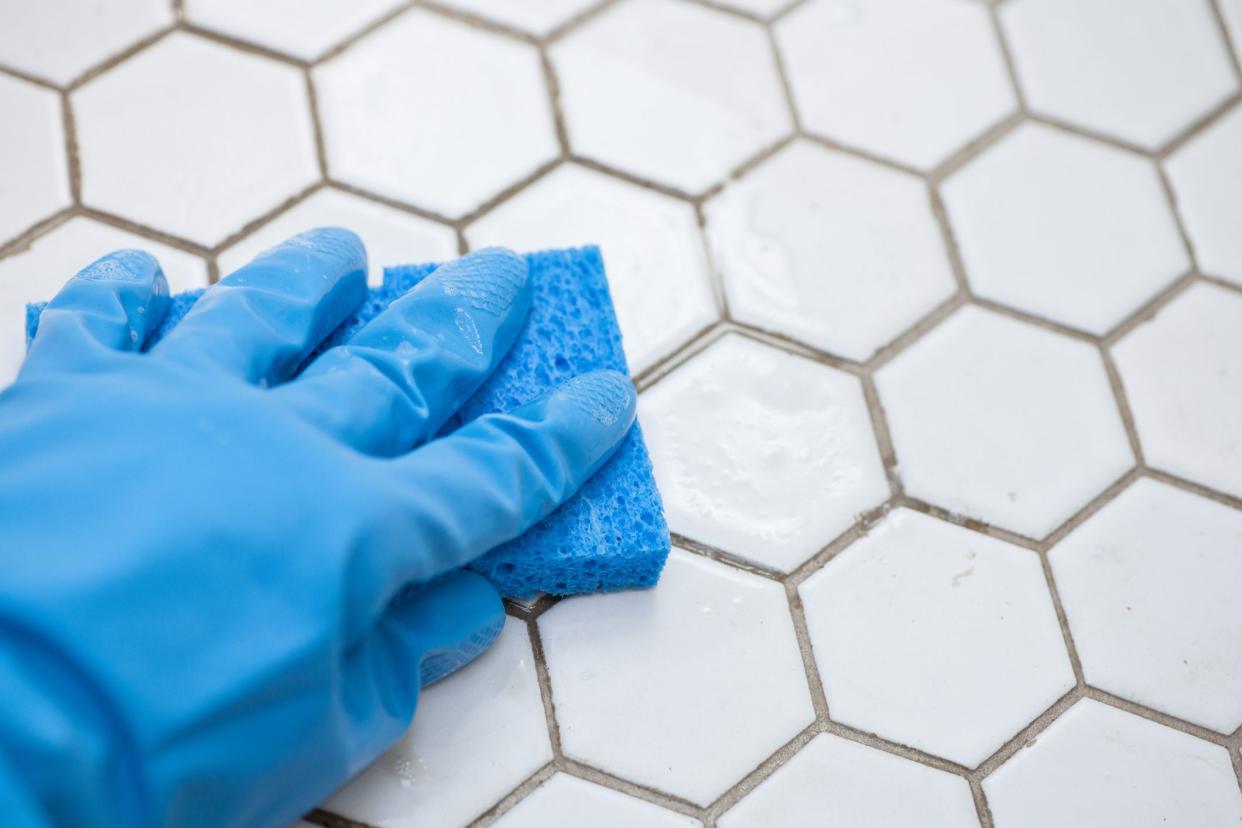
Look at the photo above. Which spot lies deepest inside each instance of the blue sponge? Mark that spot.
(612, 534)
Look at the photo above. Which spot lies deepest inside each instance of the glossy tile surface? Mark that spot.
(1148, 585)
(1002, 421)
(739, 406)
(838, 252)
(1206, 175)
(657, 267)
(684, 687)
(34, 173)
(1098, 765)
(936, 637)
(908, 80)
(393, 123)
(1065, 228)
(304, 29)
(568, 800)
(1137, 70)
(669, 91)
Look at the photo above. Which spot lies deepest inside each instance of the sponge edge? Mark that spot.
(611, 535)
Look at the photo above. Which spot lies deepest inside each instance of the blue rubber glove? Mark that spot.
(238, 677)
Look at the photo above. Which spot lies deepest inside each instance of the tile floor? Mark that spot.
(936, 311)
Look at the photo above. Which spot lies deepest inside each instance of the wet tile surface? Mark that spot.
(961, 273)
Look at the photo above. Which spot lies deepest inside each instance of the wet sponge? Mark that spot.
(611, 535)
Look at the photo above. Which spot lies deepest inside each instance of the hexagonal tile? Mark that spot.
(568, 800)
(304, 29)
(911, 80)
(840, 253)
(761, 453)
(1003, 421)
(244, 121)
(1065, 228)
(60, 39)
(935, 636)
(685, 687)
(1182, 373)
(393, 120)
(669, 91)
(1097, 765)
(1148, 584)
(391, 236)
(475, 736)
(34, 176)
(537, 17)
(657, 267)
(1140, 71)
(1206, 175)
(833, 781)
(37, 273)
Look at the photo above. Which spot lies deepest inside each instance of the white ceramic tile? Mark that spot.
(476, 736)
(537, 17)
(34, 176)
(194, 138)
(1099, 766)
(838, 252)
(1002, 421)
(60, 39)
(1149, 584)
(37, 273)
(391, 236)
(1182, 373)
(936, 636)
(653, 251)
(1206, 175)
(567, 800)
(670, 91)
(685, 687)
(761, 453)
(394, 122)
(1065, 228)
(302, 28)
(1139, 70)
(833, 781)
(910, 80)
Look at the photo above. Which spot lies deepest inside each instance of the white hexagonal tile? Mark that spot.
(838, 252)
(1003, 421)
(1065, 228)
(242, 120)
(537, 17)
(685, 687)
(1139, 70)
(34, 176)
(60, 39)
(1100, 766)
(568, 800)
(37, 273)
(657, 266)
(391, 236)
(476, 736)
(1182, 373)
(910, 80)
(304, 29)
(833, 781)
(1149, 585)
(935, 636)
(1206, 175)
(761, 453)
(670, 91)
(394, 123)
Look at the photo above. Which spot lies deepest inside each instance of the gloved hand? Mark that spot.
(218, 583)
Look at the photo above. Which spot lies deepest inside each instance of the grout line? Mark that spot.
(245, 46)
(336, 49)
(552, 85)
(317, 131)
(1223, 498)
(1067, 636)
(119, 58)
(1222, 28)
(1007, 58)
(1198, 126)
(1153, 715)
(475, 21)
(73, 159)
(1117, 386)
(23, 240)
(579, 20)
(729, 559)
(524, 789)
(738, 790)
(18, 74)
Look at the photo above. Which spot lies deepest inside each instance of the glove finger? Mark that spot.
(112, 304)
(263, 320)
(497, 476)
(396, 381)
(421, 637)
